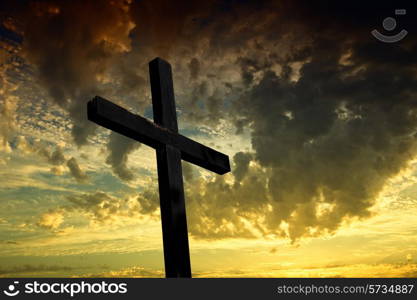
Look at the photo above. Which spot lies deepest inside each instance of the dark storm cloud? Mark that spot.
(331, 111)
(57, 157)
(343, 142)
(332, 138)
(161, 24)
(76, 171)
(71, 44)
(241, 168)
(99, 204)
(194, 66)
(119, 148)
(149, 202)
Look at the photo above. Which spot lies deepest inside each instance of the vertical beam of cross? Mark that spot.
(171, 190)
(171, 147)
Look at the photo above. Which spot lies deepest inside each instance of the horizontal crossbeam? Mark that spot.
(116, 118)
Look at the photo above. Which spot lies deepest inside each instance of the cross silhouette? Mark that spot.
(171, 147)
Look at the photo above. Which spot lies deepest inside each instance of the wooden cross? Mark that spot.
(170, 148)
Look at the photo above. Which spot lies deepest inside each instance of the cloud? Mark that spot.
(8, 98)
(102, 208)
(329, 125)
(8, 103)
(57, 157)
(194, 66)
(330, 111)
(130, 272)
(119, 148)
(34, 270)
(76, 171)
(51, 220)
(331, 117)
(217, 209)
(148, 201)
(333, 137)
(99, 206)
(329, 271)
(75, 61)
(187, 171)
(241, 161)
(58, 170)
(72, 57)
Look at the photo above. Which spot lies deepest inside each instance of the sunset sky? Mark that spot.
(318, 117)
